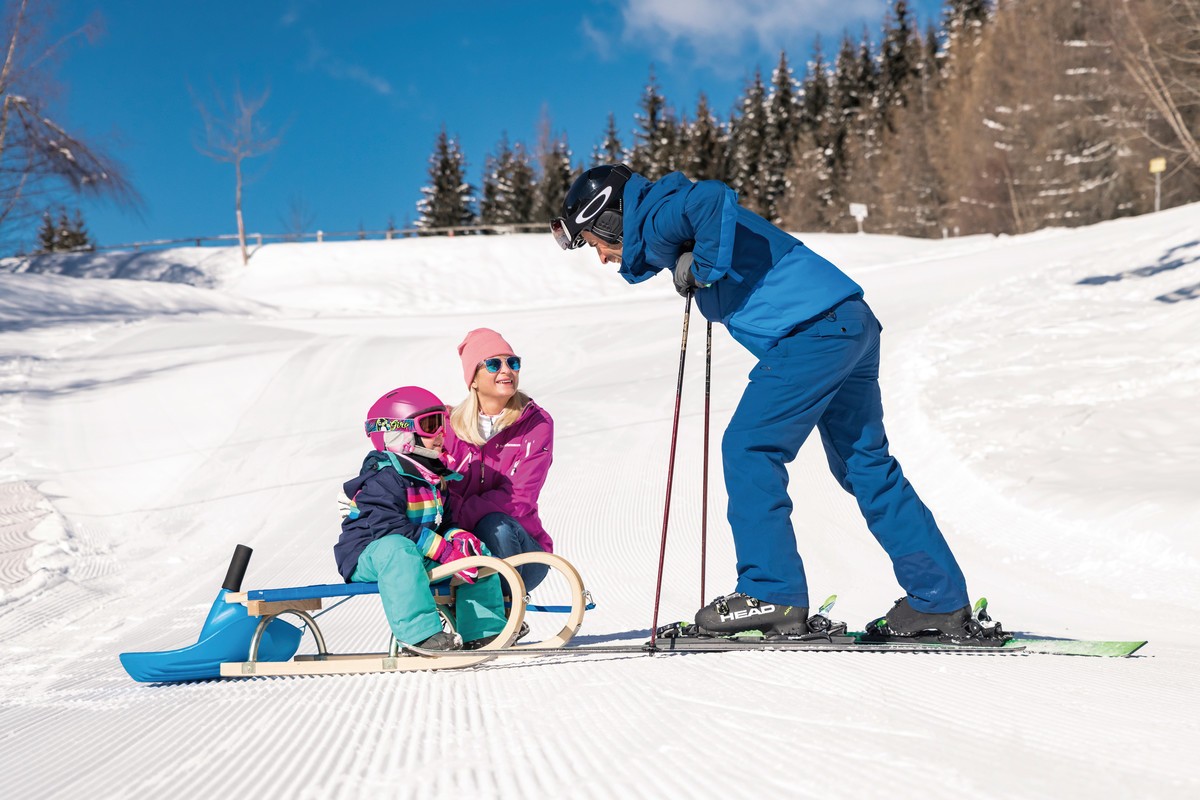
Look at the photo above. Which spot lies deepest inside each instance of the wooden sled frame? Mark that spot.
(325, 663)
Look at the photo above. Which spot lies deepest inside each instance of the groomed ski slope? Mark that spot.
(1040, 392)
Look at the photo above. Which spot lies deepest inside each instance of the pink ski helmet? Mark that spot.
(408, 411)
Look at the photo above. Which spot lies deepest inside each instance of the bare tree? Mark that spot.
(300, 217)
(1158, 43)
(39, 159)
(233, 132)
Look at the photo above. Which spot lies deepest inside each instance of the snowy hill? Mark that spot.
(1040, 391)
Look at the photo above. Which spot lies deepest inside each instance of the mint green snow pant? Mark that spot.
(395, 563)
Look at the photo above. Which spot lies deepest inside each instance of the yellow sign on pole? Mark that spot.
(1158, 165)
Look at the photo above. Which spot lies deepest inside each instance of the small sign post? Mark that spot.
(1157, 167)
(859, 212)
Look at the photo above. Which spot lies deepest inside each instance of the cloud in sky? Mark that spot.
(600, 41)
(722, 27)
(319, 57)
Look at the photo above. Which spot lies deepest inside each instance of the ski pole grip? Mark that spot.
(237, 568)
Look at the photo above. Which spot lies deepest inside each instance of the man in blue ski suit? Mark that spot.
(817, 343)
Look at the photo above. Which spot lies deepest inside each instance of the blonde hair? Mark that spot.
(464, 417)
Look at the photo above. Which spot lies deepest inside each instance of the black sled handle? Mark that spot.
(237, 568)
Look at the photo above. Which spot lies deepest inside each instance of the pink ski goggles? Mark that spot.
(427, 423)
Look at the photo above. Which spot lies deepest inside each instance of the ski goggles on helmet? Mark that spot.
(425, 423)
(494, 364)
(608, 226)
(558, 227)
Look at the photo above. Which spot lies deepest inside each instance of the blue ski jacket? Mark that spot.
(390, 496)
(763, 282)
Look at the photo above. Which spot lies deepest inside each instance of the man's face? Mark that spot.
(609, 253)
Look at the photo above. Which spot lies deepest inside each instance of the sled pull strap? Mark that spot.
(237, 568)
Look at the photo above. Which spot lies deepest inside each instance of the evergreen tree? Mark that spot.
(782, 120)
(962, 27)
(495, 203)
(63, 234)
(899, 56)
(748, 147)
(706, 154)
(449, 200)
(508, 186)
(831, 114)
(524, 186)
(75, 234)
(554, 158)
(814, 90)
(965, 18)
(610, 150)
(656, 141)
(47, 234)
(866, 138)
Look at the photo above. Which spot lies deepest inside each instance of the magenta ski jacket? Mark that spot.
(506, 474)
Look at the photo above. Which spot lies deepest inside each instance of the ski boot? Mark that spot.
(736, 613)
(475, 644)
(960, 626)
(440, 642)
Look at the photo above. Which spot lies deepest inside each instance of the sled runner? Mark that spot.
(245, 637)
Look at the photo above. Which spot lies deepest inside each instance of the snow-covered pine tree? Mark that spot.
(610, 150)
(748, 138)
(810, 174)
(910, 197)
(47, 234)
(782, 112)
(524, 185)
(655, 149)
(63, 233)
(899, 56)
(554, 160)
(449, 199)
(495, 197)
(961, 29)
(75, 234)
(508, 186)
(706, 155)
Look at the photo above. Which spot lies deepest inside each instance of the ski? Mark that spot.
(982, 635)
(682, 645)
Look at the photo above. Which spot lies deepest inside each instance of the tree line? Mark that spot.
(1003, 116)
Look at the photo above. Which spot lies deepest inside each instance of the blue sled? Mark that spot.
(225, 637)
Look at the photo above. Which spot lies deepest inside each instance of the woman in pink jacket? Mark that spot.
(502, 443)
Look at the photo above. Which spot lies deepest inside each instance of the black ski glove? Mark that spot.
(685, 279)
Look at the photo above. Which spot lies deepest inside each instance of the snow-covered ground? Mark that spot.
(1040, 391)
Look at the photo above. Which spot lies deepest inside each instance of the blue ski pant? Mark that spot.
(505, 537)
(398, 566)
(825, 374)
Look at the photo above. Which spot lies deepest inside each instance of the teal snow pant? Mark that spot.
(395, 563)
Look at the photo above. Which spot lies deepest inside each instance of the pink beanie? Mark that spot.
(479, 344)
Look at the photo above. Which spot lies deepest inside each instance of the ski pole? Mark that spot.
(704, 482)
(662, 549)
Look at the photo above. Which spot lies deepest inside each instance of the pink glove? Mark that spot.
(460, 544)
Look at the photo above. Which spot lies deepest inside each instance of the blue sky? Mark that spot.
(360, 90)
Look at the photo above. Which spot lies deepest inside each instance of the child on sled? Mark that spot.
(398, 527)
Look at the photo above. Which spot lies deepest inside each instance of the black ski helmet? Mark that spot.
(593, 203)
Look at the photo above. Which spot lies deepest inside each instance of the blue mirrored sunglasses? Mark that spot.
(493, 364)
